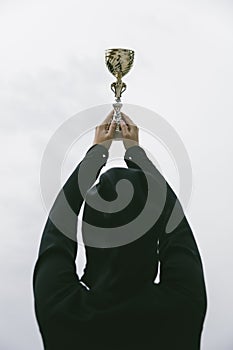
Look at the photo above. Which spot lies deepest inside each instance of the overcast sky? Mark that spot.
(52, 67)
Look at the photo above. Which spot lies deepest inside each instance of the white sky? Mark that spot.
(52, 67)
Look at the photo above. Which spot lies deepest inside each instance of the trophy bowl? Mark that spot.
(119, 61)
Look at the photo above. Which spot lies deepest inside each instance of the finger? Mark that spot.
(104, 126)
(112, 128)
(124, 128)
(108, 119)
(127, 119)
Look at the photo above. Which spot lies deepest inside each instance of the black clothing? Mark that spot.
(124, 308)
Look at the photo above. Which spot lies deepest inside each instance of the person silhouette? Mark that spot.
(116, 304)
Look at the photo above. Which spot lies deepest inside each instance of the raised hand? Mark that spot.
(129, 131)
(104, 133)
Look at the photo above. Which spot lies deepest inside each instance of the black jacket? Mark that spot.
(123, 307)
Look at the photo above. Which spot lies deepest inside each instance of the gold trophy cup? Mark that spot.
(119, 62)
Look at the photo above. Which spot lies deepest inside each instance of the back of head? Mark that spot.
(118, 251)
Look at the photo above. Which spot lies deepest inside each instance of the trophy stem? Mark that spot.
(117, 117)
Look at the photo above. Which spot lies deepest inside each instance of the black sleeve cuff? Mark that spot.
(133, 155)
(98, 149)
(134, 151)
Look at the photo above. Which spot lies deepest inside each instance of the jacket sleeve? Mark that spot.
(57, 289)
(180, 262)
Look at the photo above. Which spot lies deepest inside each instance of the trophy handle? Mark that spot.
(118, 87)
(123, 87)
(113, 87)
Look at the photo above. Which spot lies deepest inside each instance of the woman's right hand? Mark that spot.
(129, 131)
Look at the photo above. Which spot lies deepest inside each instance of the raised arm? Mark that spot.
(180, 262)
(55, 271)
(58, 292)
